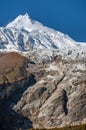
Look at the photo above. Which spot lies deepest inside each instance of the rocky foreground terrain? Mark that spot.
(47, 93)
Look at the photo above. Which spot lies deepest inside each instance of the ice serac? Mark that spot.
(25, 34)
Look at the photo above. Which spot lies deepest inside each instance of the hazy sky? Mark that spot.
(67, 16)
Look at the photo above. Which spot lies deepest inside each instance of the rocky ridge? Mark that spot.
(59, 97)
(51, 94)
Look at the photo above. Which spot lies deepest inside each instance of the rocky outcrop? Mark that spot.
(58, 98)
(14, 81)
(49, 95)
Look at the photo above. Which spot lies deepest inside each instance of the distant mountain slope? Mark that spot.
(24, 34)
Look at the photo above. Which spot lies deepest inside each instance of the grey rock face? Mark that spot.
(59, 96)
(51, 95)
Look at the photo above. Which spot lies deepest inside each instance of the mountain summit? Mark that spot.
(22, 21)
(24, 34)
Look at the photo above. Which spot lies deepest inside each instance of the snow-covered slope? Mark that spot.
(24, 34)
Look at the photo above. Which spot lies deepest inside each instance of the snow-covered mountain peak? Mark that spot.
(24, 34)
(22, 21)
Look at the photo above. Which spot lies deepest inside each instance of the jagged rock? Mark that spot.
(49, 95)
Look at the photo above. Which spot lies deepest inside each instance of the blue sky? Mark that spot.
(67, 16)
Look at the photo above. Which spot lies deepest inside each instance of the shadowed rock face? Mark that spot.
(41, 95)
(13, 82)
